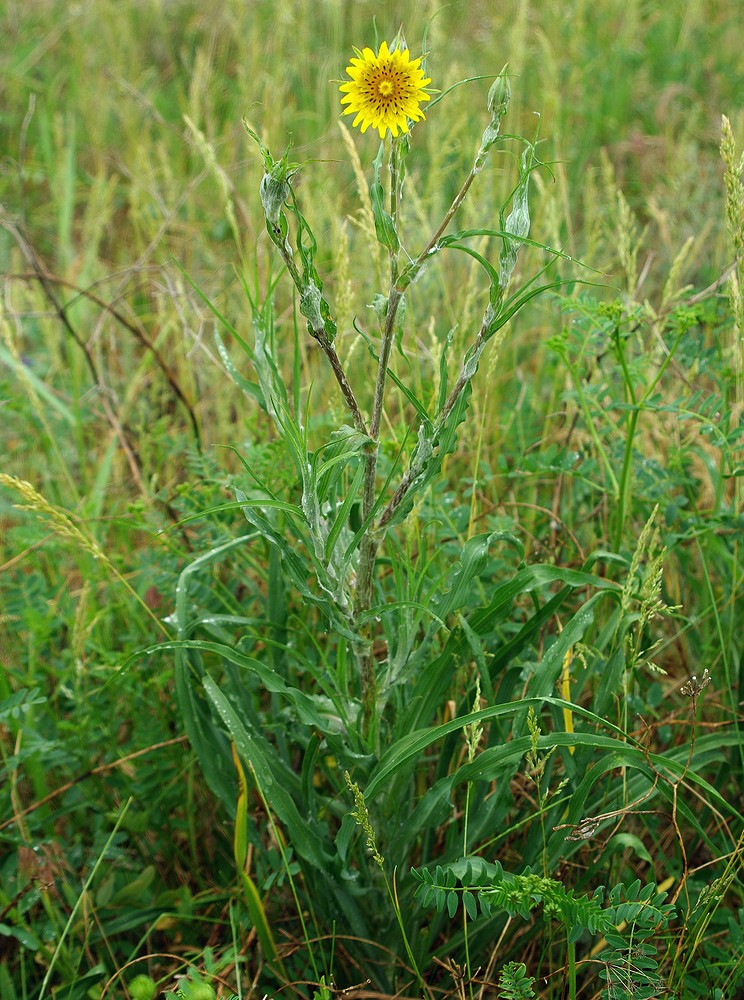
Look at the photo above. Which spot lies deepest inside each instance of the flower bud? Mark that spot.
(399, 43)
(500, 94)
(275, 184)
(274, 193)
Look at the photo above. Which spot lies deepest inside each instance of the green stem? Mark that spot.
(571, 953)
(664, 365)
(626, 477)
(394, 205)
(371, 541)
(590, 424)
(448, 216)
(626, 473)
(464, 911)
(393, 894)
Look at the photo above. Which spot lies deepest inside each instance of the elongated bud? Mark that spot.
(500, 94)
(498, 102)
(274, 193)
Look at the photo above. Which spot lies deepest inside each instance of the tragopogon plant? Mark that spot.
(385, 91)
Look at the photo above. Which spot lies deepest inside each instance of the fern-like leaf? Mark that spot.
(515, 984)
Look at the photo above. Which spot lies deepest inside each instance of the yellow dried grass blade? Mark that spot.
(566, 692)
(250, 891)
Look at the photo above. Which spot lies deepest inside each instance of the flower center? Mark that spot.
(385, 88)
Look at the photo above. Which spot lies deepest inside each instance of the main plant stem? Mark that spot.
(375, 532)
(373, 537)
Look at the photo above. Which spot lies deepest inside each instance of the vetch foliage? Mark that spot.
(628, 922)
(514, 983)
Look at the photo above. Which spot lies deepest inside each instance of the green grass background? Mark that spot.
(116, 414)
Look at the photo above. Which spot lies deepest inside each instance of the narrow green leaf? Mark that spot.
(260, 922)
(251, 389)
(261, 756)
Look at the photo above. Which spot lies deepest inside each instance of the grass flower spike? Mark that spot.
(385, 90)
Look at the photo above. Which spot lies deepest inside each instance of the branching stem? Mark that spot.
(375, 532)
(323, 340)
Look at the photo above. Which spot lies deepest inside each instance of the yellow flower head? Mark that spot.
(385, 90)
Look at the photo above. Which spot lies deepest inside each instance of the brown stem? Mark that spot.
(347, 392)
(448, 216)
(323, 339)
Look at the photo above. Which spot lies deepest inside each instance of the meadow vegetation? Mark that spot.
(507, 763)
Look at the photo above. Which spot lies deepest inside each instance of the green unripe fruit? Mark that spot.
(202, 991)
(142, 988)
